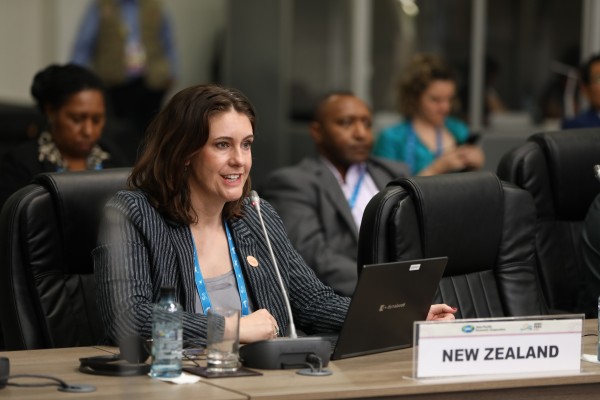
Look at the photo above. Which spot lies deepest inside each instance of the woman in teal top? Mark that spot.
(429, 141)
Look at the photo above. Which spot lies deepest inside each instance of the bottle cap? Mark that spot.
(167, 291)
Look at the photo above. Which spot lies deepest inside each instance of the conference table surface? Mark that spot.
(385, 375)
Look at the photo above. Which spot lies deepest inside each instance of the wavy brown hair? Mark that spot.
(172, 137)
(420, 73)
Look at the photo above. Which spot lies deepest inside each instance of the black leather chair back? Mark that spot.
(47, 232)
(18, 124)
(484, 226)
(557, 169)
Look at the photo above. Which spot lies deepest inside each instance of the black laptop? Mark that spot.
(388, 299)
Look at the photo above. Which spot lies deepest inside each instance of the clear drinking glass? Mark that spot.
(222, 344)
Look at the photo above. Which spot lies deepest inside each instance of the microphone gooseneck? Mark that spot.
(256, 203)
(284, 352)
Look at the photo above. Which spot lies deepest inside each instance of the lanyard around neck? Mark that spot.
(411, 146)
(352, 199)
(201, 287)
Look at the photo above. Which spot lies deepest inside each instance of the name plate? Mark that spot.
(497, 346)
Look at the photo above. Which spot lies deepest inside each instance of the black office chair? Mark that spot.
(557, 169)
(18, 124)
(47, 232)
(484, 226)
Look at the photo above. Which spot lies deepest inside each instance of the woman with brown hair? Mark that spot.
(428, 140)
(188, 223)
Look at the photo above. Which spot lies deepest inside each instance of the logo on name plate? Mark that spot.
(468, 328)
(526, 327)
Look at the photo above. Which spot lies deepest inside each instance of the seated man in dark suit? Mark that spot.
(321, 200)
(590, 87)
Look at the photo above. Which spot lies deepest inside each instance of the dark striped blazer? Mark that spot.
(139, 251)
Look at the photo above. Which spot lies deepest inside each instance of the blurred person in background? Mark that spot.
(589, 76)
(72, 100)
(130, 45)
(322, 199)
(429, 140)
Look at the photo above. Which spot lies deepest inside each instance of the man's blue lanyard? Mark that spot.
(411, 147)
(203, 293)
(352, 200)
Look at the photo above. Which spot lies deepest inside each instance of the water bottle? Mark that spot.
(167, 336)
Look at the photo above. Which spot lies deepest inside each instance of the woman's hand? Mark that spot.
(439, 312)
(260, 325)
(472, 156)
(465, 157)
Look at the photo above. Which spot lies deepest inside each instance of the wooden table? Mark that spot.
(64, 364)
(380, 375)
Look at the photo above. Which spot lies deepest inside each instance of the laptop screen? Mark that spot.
(388, 299)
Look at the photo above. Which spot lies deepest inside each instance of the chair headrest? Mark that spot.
(79, 198)
(570, 158)
(470, 202)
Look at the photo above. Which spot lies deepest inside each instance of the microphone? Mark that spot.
(284, 352)
(597, 171)
(256, 203)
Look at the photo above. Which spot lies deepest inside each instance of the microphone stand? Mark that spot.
(285, 352)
